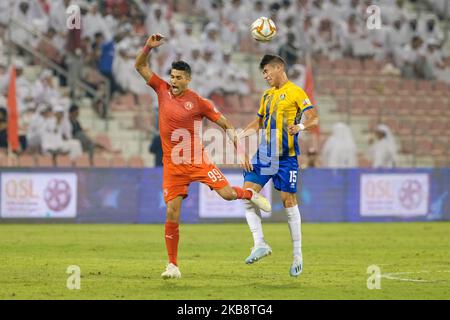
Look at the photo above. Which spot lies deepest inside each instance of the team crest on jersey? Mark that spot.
(188, 105)
(282, 97)
(306, 102)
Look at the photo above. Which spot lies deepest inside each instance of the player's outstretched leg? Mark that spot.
(254, 197)
(258, 200)
(234, 193)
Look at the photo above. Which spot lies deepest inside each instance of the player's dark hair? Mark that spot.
(182, 66)
(73, 108)
(271, 58)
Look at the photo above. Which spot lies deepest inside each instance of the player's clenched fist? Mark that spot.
(155, 40)
(293, 129)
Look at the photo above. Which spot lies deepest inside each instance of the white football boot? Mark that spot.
(259, 201)
(297, 267)
(172, 272)
(258, 253)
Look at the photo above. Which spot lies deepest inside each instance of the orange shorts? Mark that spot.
(176, 178)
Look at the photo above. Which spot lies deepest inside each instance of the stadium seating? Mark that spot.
(63, 161)
(100, 161)
(44, 161)
(411, 108)
(82, 161)
(26, 161)
(117, 161)
(135, 162)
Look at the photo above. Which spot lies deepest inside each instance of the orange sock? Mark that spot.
(243, 194)
(172, 236)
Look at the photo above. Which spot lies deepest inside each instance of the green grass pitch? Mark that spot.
(125, 262)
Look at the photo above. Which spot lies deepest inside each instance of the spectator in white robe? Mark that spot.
(234, 79)
(185, 38)
(4, 76)
(44, 89)
(211, 41)
(297, 74)
(429, 29)
(355, 38)
(377, 39)
(391, 12)
(307, 35)
(124, 70)
(6, 9)
(58, 16)
(156, 22)
(259, 9)
(383, 152)
(57, 135)
(335, 10)
(24, 88)
(22, 15)
(396, 38)
(198, 66)
(442, 72)
(35, 127)
(339, 150)
(110, 23)
(328, 41)
(39, 17)
(94, 22)
(214, 10)
(209, 76)
(413, 60)
(434, 56)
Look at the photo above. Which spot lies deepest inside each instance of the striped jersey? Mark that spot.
(279, 108)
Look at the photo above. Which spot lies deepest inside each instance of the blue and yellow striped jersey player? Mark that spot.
(281, 109)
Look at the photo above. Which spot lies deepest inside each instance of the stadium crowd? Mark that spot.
(208, 37)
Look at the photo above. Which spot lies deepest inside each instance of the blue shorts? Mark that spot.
(284, 174)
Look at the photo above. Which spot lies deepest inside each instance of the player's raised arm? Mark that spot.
(311, 121)
(252, 128)
(141, 64)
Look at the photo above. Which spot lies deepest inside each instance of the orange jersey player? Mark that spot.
(184, 159)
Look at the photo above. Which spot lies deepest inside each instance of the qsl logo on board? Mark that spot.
(57, 195)
(38, 195)
(392, 194)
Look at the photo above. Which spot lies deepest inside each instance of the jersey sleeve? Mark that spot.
(208, 110)
(157, 83)
(261, 106)
(302, 100)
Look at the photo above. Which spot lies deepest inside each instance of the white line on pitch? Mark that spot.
(393, 276)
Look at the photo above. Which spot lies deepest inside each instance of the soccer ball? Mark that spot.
(263, 29)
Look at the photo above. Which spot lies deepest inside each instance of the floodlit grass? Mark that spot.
(125, 262)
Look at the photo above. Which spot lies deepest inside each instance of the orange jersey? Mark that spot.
(180, 122)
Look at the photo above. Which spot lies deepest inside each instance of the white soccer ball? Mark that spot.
(263, 29)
